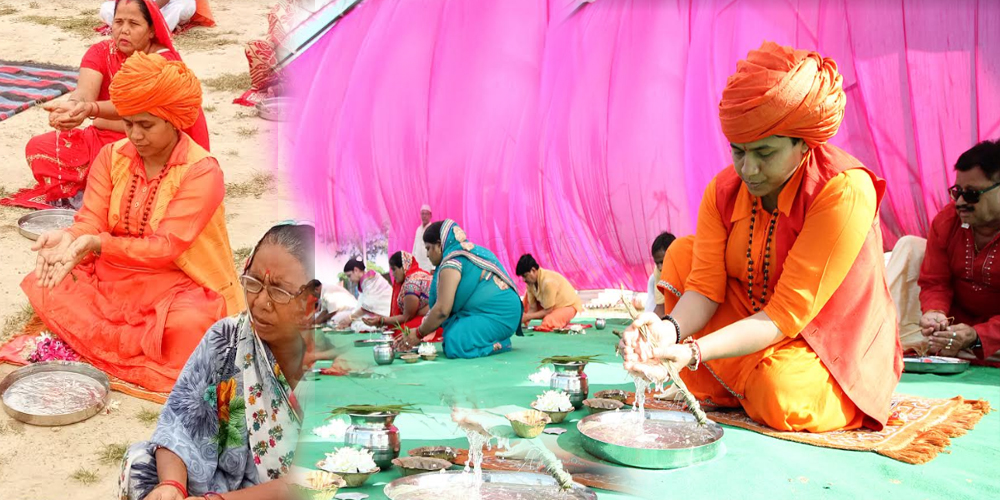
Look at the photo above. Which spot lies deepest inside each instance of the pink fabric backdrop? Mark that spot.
(579, 133)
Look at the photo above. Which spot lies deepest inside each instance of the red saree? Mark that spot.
(417, 283)
(60, 161)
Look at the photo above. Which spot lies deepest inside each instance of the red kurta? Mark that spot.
(960, 281)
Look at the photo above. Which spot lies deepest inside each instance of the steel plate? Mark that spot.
(935, 364)
(275, 108)
(33, 225)
(54, 393)
(439, 480)
(657, 458)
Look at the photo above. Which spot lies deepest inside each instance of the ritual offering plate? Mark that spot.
(274, 108)
(54, 393)
(664, 440)
(496, 486)
(934, 364)
(33, 225)
(443, 452)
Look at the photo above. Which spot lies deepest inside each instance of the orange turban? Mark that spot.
(150, 83)
(782, 91)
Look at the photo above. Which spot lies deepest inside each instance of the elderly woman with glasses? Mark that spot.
(947, 287)
(230, 425)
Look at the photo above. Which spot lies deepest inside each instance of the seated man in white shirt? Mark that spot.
(419, 251)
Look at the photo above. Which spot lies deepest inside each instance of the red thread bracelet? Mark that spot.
(175, 484)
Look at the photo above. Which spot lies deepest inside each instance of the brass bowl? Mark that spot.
(529, 424)
(410, 357)
(429, 357)
(353, 479)
(556, 416)
(441, 452)
(331, 484)
(597, 405)
(615, 394)
(420, 465)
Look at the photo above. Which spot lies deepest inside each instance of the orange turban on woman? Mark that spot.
(782, 91)
(150, 83)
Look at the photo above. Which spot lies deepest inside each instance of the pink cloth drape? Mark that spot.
(577, 133)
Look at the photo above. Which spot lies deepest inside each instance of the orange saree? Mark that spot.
(165, 272)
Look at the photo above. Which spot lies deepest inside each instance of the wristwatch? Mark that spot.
(978, 344)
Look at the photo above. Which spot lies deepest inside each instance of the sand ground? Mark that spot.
(65, 462)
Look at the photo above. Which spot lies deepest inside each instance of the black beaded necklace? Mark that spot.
(767, 257)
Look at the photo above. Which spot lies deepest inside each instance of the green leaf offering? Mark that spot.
(370, 409)
(572, 359)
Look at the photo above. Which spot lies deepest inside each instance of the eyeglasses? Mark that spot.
(971, 196)
(278, 295)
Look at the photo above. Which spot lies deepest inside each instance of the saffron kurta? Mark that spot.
(165, 273)
(553, 291)
(960, 281)
(840, 358)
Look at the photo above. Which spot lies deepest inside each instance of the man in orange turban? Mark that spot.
(785, 311)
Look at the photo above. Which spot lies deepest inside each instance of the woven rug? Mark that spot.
(16, 351)
(25, 84)
(918, 430)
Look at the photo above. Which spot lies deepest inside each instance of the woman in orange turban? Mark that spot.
(785, 311)
(148, 255)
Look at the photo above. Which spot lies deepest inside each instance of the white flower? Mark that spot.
(553, 401)
(348, 460)
(333, 430)
(426, 349)
(542, 376)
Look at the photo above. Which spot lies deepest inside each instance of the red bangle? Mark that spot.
(175, 484)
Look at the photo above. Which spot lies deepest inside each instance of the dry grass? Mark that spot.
(6, 10)
(85, 476)
(34, 5)
(241, 255)
(14, 323)
(4, 193)
(247, 131)
(257, 185)
(229, 82)
(209, 108)
(79, 26)
(147, 416)
(205, 39)
(90, 13)
(235, 153)
(112, 454)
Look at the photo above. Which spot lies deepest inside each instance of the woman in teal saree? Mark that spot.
(472, 297)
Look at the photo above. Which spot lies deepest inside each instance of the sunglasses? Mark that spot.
(278, 295)
(971, 196)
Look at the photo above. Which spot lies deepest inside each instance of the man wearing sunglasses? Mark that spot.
(959, 279)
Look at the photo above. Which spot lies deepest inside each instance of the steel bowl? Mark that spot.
(664, 458)
(442, 480)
